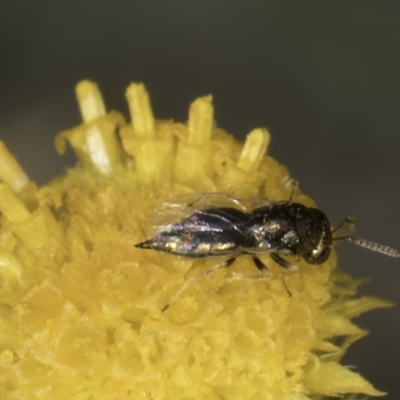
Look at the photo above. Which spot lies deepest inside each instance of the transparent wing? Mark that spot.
(182, 206)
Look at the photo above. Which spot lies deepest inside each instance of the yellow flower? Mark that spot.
(85, 315)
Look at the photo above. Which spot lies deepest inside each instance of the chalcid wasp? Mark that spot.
(206, 227)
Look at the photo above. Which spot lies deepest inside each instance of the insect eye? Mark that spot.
(317, 256)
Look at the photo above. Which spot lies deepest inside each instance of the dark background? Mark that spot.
(323, 76)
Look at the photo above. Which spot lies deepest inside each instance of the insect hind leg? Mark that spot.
(224, 264)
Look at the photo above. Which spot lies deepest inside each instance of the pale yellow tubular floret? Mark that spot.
(201, 119)
(95, 141)
(140, 109)
(254, 149)
(152, 145)
(244, 177)
(11, 172)
(90, 101)
(194, 159)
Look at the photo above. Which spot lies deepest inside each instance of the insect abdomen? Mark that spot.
(212, 232)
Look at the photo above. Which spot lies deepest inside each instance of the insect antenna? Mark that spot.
(295, 185)
(350, 223)
(379, 248)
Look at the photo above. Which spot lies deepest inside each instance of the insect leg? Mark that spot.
(223, 264)
(284, 263)
(260, 265)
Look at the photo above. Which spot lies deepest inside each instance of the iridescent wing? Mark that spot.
(205, 233)
(182, 206)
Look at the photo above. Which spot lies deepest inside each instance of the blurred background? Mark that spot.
(323, 77)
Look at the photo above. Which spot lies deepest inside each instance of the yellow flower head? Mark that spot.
(85, 315)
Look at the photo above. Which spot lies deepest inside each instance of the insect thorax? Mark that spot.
(289, 228)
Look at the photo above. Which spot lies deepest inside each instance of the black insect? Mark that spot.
(280, 229)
